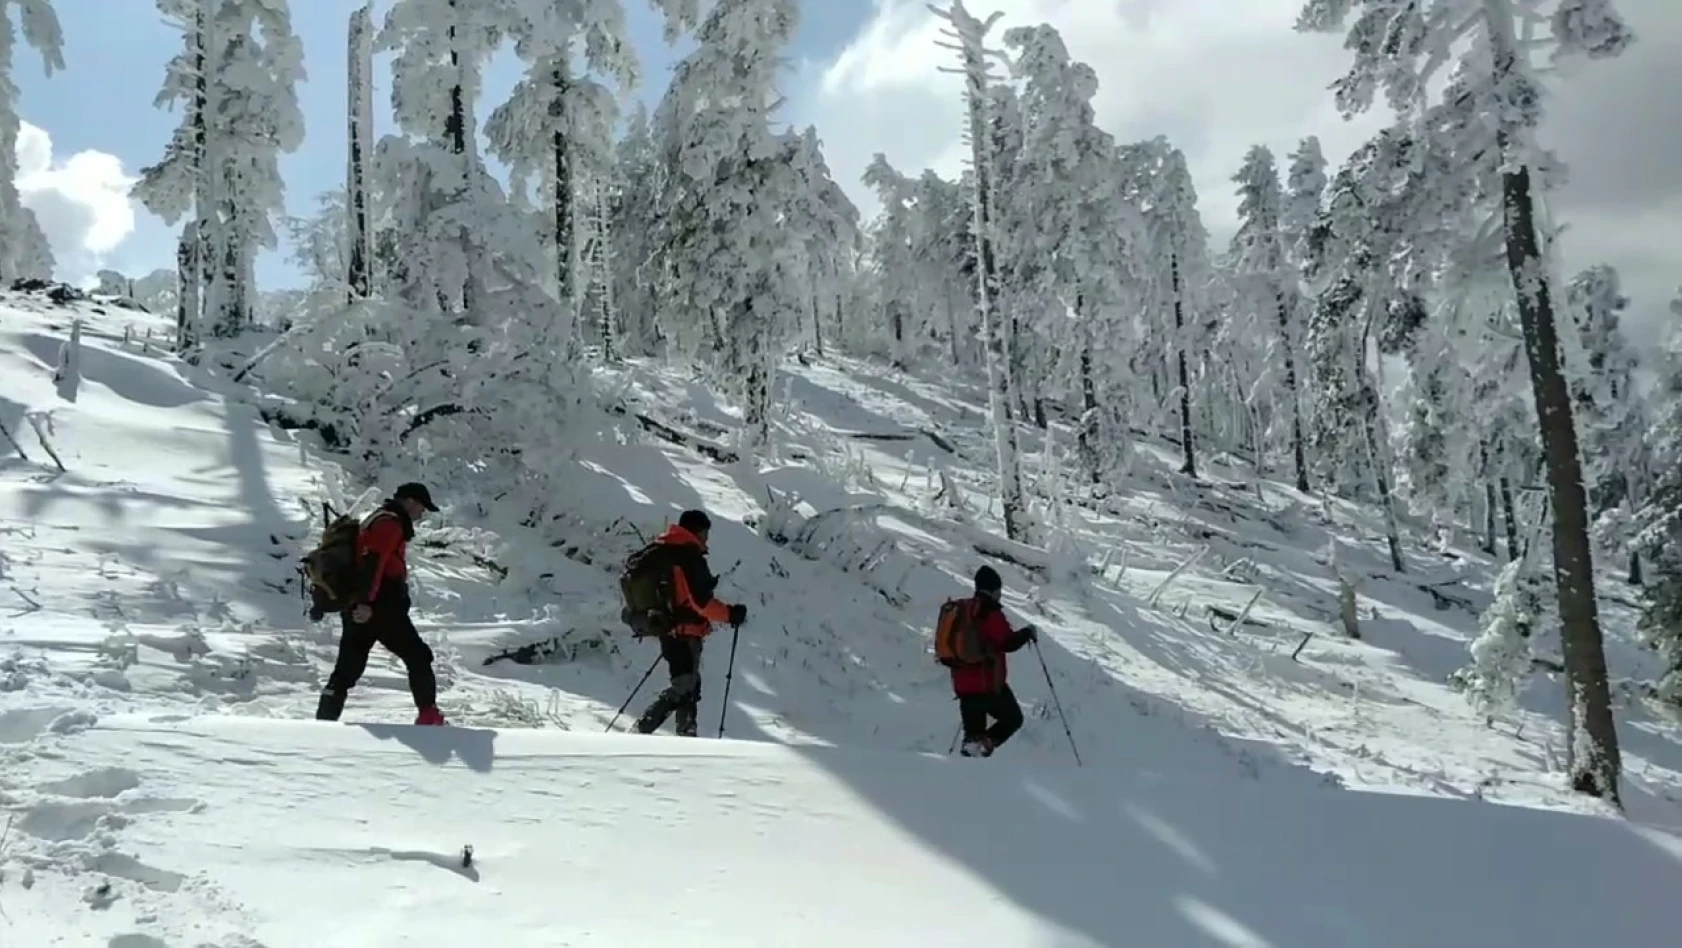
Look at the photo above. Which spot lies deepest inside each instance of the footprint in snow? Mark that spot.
(104, 783)
(136, 940)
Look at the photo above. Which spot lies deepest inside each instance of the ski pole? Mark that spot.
(633, 695)
(729, 673)
(1057, 702)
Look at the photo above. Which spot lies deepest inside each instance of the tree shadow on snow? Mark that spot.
(1126, 859)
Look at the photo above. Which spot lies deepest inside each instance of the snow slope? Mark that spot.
(154, 577)
(237, 831)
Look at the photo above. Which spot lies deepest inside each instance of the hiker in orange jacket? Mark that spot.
(696, 610)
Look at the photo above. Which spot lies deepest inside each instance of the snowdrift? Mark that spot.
(214, 829)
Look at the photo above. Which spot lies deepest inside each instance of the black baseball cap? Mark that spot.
(417, 493)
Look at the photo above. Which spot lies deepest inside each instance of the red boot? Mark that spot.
(430, 717)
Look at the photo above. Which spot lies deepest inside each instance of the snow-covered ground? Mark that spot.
(151, 585)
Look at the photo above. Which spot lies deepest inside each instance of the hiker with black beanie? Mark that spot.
(380, 610)
(983, 687)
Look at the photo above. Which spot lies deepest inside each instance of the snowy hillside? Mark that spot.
(231, 832)
(153, 595)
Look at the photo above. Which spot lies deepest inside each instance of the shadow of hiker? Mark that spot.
(474, 747)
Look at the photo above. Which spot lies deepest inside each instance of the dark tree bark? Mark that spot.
(1594, 763)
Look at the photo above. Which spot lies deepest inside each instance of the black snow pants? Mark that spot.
(1001, 706)
(682, 654)
(391, 627)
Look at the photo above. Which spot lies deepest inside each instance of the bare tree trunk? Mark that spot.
(1594, 761)
(1189, 467)
(559, 83)
(1298, 454)
(187, 286)
(359, 118)
(192, 309)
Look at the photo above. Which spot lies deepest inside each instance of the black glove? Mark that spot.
(1031, 633)
(738, 614)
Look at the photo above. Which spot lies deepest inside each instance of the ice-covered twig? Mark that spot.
(14, 442)
(1162, 587)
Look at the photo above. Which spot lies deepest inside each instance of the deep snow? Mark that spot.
(155, 578)
(294, 833)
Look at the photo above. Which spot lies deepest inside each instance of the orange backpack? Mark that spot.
(957, 638)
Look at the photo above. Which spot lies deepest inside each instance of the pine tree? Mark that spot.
(257, 119)
(967, 36)
(23, 248)
(1501, 654)
(1259, 252)
(1494, 100)
(728, 182)
(557, 125)
(443, 231)
(359, 137)
(1608, 410)
(181, 181)
(1162, 187)
(632, 197)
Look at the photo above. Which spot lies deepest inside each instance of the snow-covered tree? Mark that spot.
(728, 184)
(256, 120)
(633, 192)
(1501, 654)
(442, 232)
(557, 125)
(1161, 185)
(359, 139)
(967, 36)
(1069, 234)
(826, 223)
(24, 251)
(1492, 107)
(236, 79)
(1609, 411)
(1261, 259)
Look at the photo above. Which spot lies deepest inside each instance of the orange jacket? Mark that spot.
(692, 585)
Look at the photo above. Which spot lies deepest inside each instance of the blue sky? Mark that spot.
(114, 56)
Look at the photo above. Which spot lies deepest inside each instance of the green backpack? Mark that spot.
(645, 583)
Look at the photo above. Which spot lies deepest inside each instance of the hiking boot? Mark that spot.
(687, 723)
(331, 705)
(977, 747)
(430, 717)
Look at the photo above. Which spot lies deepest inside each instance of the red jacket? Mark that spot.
(987, 677)
(383, 548)
(692, 584)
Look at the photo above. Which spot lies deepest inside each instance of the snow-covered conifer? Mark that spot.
(1260, 256)
(1501, 653)
(23, 248)
(557, 125)
(1492, 106)
(728, 182)
(967, 36)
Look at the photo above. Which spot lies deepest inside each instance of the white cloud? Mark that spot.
(81, 202)
(1217, 76)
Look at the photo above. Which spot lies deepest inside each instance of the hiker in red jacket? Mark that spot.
(696, 610)
(982, 687)
(381, 613)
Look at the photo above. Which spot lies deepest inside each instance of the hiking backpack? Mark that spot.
(331, 570)
(645, 583)
(957, 636)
